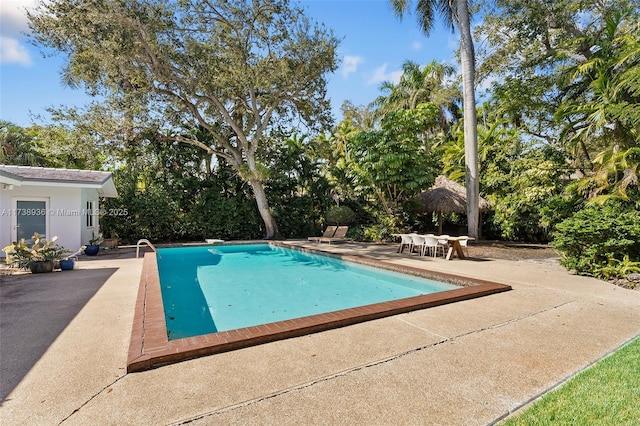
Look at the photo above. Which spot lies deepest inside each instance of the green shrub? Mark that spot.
(382, 230)
(601, 240)
(342, 215)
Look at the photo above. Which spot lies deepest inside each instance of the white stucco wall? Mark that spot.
(5, 220)
(86, 231)
(66, 213)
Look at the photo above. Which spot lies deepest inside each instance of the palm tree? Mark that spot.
(361, 117)
(17, 146)
(600, 109)
(457, 12)
(417, 86)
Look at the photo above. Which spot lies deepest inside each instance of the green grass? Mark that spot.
(608, 393)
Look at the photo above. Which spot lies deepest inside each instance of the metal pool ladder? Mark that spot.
(143, 241)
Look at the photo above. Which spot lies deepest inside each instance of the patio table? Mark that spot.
(455, 249)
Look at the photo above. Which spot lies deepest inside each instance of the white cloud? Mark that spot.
(416, 45)
(12, 51)
(350, 64)
(13, 19)
(13, 23)
(380, 74)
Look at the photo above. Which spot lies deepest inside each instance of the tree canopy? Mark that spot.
(204, 105)
(457, 14)
(569, 78)
(229, 70)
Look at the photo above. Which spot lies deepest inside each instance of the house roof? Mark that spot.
(45, 176)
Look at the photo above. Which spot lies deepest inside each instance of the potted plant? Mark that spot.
(40, 257)
(93, 247)
(68, 262)
(110, 242)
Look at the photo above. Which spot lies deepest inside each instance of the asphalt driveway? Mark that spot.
(35, 309)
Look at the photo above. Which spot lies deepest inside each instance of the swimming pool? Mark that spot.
(150, 346)
(230, 287)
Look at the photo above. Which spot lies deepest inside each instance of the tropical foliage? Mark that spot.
(394, 163)
(211, 137)
(601, 240)
(20, 255)
(457, 14)
(341, 215)
(432, 83)
(573, 85)
(569, 84)
(216, 75)
(47, 146)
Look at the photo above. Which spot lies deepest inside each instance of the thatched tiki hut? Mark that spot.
(447, 196)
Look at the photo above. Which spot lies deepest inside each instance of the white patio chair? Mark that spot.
(443, 244)
(418, 243)
(405, 242)
(430, 245)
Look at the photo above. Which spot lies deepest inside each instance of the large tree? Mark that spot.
(227, 69)
(568, 77)
(456, 13)
(394, 163)
(48, 146)
(17, 146)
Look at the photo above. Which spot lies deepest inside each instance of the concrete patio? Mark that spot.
(64, 339)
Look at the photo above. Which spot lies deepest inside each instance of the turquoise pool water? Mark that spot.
(221, 288)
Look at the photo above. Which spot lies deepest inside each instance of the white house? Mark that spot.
(52, 202)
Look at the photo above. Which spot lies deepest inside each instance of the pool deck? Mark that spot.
(65, 338)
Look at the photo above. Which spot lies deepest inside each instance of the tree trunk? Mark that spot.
(265, 211)
(470, 120)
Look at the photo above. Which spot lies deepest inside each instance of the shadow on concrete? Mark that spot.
(34, 310)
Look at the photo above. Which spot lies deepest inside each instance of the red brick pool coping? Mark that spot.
(150, 347)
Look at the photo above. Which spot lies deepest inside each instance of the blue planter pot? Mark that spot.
(66, 264)
(91, 250)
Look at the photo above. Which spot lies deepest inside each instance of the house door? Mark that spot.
(30, 217)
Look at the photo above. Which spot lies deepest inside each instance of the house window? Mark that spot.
(90, 212)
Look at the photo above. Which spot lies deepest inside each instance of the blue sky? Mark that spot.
(374, 46)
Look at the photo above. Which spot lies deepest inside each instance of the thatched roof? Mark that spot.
(447, 196)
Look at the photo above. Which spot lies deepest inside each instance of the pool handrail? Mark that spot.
(143, 241)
